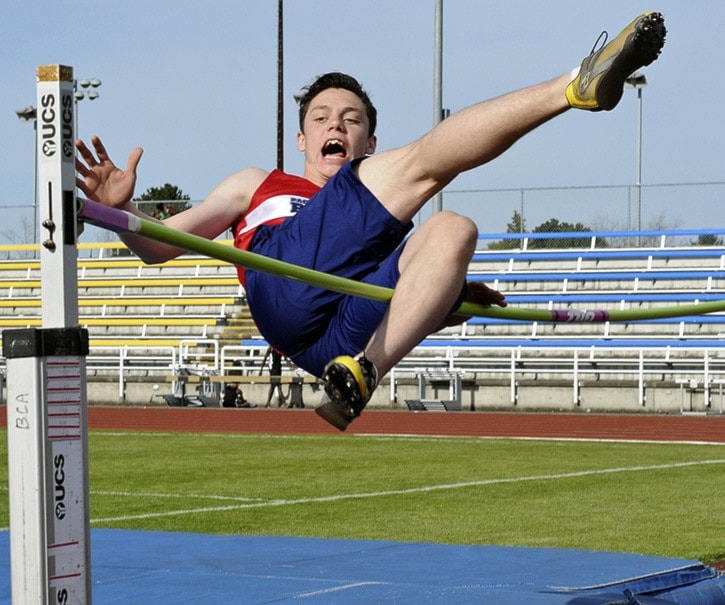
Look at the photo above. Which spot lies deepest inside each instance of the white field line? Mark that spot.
(438, 438)
(182, 496)
(414, 437)
(403, 492)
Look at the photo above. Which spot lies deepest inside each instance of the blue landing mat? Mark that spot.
(154, 567)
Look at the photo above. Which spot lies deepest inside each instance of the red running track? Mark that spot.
(645, 427)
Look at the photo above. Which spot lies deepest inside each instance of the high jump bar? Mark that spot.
(122, 221)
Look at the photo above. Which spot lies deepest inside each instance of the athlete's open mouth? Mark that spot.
(334, 147)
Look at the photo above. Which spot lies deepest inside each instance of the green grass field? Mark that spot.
(658, 499)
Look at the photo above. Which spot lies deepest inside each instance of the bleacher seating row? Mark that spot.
(665, 273)
(630, 257)
(126, 303)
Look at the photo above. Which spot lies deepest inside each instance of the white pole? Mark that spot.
(438, 83)
(56, 188)
(46, 403)
(639, 160)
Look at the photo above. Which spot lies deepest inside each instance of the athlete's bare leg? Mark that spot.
(435, 261)
(433, 269)
(404, 179)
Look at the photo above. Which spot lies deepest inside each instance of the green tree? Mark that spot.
(159, 202)
(707, 239)
(555, 226)
(517, 225)
(163, 201)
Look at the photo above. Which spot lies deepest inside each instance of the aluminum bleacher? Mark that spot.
(676, 351)
(133, 311)
(151, 318)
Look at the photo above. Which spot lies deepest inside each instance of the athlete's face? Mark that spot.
(335, 131)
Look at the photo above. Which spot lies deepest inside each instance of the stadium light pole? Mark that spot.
(280, 84)
(638, 82)
(438, 83)
(30, 114)
(89, 85)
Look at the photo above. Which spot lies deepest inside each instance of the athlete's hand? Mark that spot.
(100, 179)
(480, 293)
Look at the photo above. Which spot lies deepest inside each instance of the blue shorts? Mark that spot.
(343, 230)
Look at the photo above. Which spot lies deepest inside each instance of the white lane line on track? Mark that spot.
(408, 491)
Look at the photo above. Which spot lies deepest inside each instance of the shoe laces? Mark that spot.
(601, 39)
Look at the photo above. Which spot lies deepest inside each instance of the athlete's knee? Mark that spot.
(456, 229)
(446, 219)
(446, 239)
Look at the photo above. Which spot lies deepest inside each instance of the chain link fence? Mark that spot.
(607, 208)
(686, 206)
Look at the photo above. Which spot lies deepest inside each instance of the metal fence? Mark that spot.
(694, 205)
(599, 208)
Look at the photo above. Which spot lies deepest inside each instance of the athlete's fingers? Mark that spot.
(100, 148)
(81, 168)
(134, 159)
(85, 153)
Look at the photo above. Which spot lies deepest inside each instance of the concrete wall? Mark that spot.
(546, 395)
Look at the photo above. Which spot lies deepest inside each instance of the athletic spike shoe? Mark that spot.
(600, 82)
(349, 383)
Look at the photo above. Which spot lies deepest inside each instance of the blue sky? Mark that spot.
(195, 84)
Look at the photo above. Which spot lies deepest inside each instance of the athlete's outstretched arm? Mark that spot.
(101, 180)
